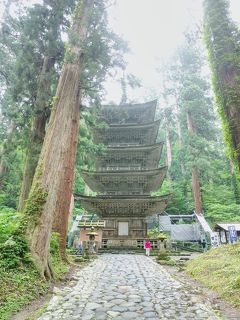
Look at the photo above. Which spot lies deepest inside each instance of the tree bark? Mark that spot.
(195, 178)
(235, 183)
(8, 145)
(168, 145)
(37, 134)
(196, 191)
(51, 191)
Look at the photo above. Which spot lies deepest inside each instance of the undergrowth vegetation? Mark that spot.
(19, 280)
(219, 269)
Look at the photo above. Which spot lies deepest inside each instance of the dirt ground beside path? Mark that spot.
(225, 309)
(30, 310)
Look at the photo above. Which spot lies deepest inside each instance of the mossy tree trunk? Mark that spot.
(222, 40)
(37, 134)
(51, 191)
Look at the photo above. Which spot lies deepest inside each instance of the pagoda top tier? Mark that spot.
(129, 113)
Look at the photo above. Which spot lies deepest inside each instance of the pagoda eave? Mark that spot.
(147, 156)
(133, 181)
(139, 134)
(120, 206)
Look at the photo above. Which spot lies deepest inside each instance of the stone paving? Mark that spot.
(123, 287)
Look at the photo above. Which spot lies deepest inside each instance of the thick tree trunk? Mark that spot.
(168, 145)
(41, 108)
(7, 146)
(235, 183)
(195, 179)
(196, 191)
(179, 132)
(51, 191)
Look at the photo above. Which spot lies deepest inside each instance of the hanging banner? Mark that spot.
(232, 234)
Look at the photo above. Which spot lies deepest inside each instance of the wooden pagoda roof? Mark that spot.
(125, 180)
(123, 134)
(129, 113)
(124, 206)
(146, 156)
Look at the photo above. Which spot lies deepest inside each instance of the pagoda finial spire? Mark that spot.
(124, 89)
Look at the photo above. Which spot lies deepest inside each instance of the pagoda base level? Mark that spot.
(124, 231)
(121, 244)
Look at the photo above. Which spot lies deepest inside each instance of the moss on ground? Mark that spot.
(17, 288)
(20, 283)
(20, 286)
(219, 269)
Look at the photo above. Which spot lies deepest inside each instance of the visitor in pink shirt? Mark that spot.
(147, 246)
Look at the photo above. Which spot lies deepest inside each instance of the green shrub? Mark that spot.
(9, 222)
(14, 253)
(167, 262)
(163, 256)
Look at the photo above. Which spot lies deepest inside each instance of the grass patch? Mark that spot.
(219, 269)
(167, 262)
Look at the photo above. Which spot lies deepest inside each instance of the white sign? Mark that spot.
(215, 242)
(123, 228)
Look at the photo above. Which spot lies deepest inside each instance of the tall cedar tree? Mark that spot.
(222, 40)
(31, 50)
(92, 51)
(53, 12)
(51, 189)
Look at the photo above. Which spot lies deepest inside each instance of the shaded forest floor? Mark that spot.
(35, 307)
(23, 292)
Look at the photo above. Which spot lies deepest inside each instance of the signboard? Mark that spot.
(123, 228)
(215, 242)
(232, 234)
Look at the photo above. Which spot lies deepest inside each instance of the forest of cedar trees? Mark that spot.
(55, 59)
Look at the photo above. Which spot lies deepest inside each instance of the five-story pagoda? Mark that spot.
(126, 174)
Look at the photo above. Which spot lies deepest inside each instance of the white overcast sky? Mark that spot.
(153, 30)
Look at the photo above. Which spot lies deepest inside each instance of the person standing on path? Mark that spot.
(147, 247)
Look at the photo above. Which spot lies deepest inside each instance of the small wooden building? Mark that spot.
(222, 229)
(87, 226)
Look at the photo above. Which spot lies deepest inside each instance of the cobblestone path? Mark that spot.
(123, 287)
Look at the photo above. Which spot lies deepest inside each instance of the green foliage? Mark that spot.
(219, 269)
(163, 256)
(17, 288)
(58, 265)
(217, 212)
(167, 262)
(14, 253)
(9, 222)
